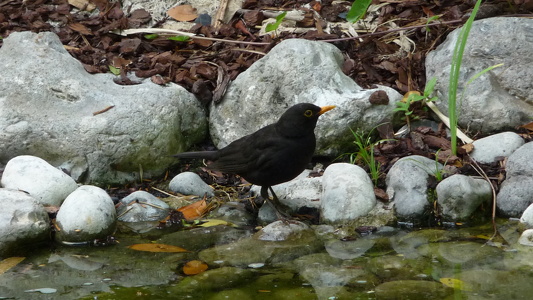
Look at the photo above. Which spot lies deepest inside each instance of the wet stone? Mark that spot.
(202, 238)
(465, 254)
(399, 268)
(412, 289)
(349, 249)
(141, 206)
(221, 278)
(252, 250)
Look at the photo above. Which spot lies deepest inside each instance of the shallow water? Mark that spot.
(389, 264)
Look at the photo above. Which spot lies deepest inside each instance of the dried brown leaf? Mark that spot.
(194, 210)
(183, 13)
(157, 248)
(80, 28)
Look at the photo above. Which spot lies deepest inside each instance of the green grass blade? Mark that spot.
(454, 75)
(482, 72)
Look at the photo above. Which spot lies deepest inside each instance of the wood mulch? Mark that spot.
(204, 67)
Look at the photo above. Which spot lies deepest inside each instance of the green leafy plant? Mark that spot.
(364, 153)
(439, 172)
(429, 20)
(413, 97)
(274, 26)
(358, 10)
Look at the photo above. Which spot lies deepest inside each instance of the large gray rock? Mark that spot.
(459, 196)
(348, 193)
(23, 221)
(502, 98)
(516, 192)
(88, 213)
(49, 185)
(298, 71)
(492, 147)
(189, 183)
(302, 191)
(407, 185)
(47, 106)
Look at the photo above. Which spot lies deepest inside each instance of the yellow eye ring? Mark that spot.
(308, 113)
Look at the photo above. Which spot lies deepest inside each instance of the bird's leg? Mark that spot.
(274, 201)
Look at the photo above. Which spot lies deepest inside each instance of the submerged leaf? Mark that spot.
(215, 222)
(9, 263)
(456, 284)
(194, 267)
(157, 248)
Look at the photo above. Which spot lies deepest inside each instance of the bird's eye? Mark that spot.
(308, 113)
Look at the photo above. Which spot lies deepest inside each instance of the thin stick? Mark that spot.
(446, 122)
(484, 175)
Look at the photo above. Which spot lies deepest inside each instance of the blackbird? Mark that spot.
(272, 155)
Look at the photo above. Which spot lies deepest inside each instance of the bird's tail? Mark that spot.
(209, 155)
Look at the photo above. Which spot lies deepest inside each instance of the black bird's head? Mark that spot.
(301, 119)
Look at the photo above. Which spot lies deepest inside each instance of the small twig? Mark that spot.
(190, 35)
(163, 192)
(391, 30)
(482, 173)
(217, 21)
(248, 50)
(103, 110)
(125, 212)
(295, 15)
(446, 122)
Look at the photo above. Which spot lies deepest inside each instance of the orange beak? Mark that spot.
(324, 109)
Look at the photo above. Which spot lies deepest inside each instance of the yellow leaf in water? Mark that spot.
(456, 284)
(157, 248)
(194, 267)
(9, 263)
(215, 222)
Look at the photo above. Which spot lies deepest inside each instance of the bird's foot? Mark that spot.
(281, 213)
(280, 209)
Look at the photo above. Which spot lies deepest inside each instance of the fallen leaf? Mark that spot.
(82, 4)
(215, 222)
(468, 147)
(194, 267)
(406, 95)
(456, 284)
(9, 263)
(194, 210)
(528, 126)
(157, 248)
(78, 27)
(183, 13)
